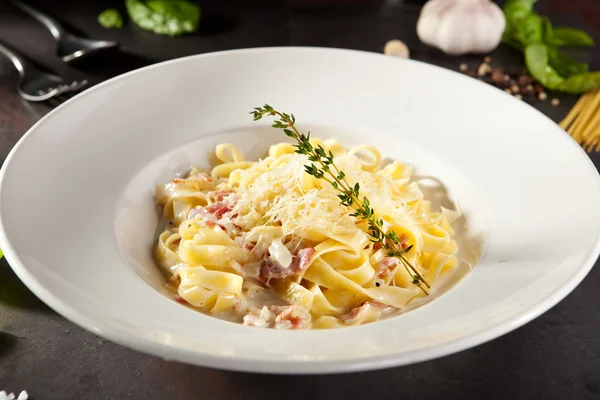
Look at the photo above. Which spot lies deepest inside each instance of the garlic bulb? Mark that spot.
(461, 26)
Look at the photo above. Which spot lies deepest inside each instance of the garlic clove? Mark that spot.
(396, 48)
(461, 26)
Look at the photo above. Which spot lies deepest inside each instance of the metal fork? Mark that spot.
(36, 85)
(69, 47)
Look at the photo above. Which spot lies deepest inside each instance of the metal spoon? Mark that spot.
(69, 46)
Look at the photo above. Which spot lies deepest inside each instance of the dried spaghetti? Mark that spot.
(583, 121)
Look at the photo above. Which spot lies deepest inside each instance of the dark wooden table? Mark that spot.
(557, 356)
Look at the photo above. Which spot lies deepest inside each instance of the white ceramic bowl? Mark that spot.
(78, 221)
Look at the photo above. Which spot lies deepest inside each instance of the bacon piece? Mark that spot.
(403, 241)
(360, 311)
(291, 317)
(304, 256)
(202, 177)
(273, 270)
(219, 195)
(278, 317)
(386, 264)
(180, 299)
(218, 209)
(211, 214)
(197, 211)
(354, 312)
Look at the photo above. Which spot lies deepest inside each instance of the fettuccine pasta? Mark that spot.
(265, 244)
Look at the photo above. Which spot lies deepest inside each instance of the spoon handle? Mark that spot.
(19, 62)
(53, 25)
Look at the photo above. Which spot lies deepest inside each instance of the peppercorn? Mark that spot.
(498, 75)
(527, 90)
(525, 80)
(538, 88)
(484, 69)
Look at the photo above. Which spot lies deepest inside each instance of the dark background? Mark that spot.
(557, 356)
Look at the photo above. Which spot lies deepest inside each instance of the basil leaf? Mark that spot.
(536, 59)
(548, 31)
(110, 18)
(530, 30)
(140, 14)
(534, 34)
(564, 64)
(565, 36)
(164, 17)
(515, 10)
(184, 13)
(580, 83)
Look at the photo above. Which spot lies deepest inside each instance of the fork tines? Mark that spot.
(66, 88)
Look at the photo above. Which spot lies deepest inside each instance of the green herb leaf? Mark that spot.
(547, 31)
(164, 17)
(564, 64)
(565, 36)
(539, 40)
(530, 29)
(580, 83)
(514, 12)
(536, 58)
(110, 18)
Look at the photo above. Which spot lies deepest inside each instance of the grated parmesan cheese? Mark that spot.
(285, 195)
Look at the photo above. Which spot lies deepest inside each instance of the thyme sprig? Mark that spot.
(323, 166)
